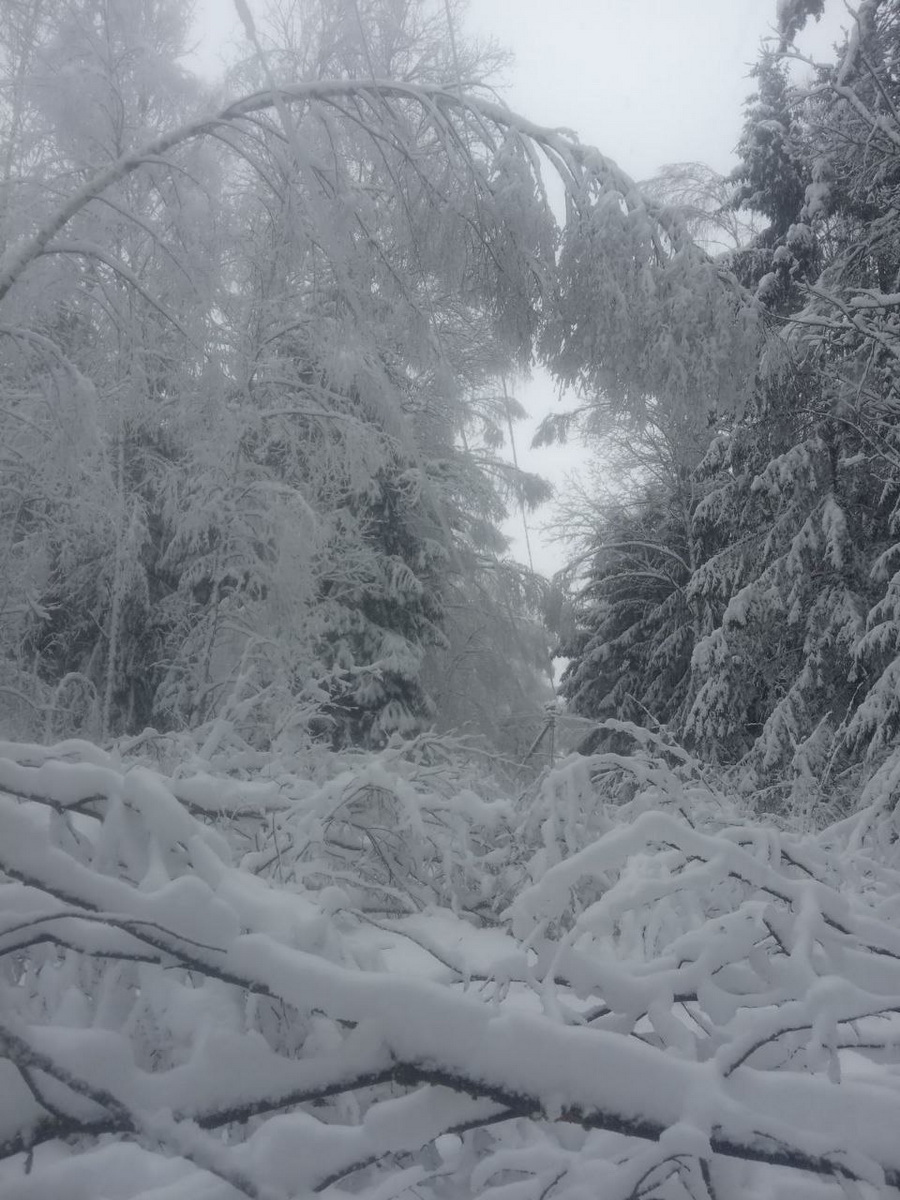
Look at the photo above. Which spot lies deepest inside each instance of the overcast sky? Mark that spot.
(649, 82)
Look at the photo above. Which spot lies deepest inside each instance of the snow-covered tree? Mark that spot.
(251, 488)
(289, 315)
(788, 617)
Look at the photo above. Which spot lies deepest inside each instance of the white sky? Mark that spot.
(649, 82)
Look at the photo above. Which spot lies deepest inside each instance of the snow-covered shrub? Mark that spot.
(422, 822)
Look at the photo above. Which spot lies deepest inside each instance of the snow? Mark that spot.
(682, 981)
(253, 967)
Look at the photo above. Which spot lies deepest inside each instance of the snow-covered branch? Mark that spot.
(438, 104)
(672, 975)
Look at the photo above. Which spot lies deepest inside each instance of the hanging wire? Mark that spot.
(515, 458)
(550, 709)
(451, 31)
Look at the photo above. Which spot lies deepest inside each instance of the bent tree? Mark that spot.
(270, 326)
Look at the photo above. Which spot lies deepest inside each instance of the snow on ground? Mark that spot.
(391, 975)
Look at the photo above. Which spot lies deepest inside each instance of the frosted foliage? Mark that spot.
(257, 372)
(645, 317)
(363, 975)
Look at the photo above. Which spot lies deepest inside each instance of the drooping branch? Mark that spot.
(570, 159)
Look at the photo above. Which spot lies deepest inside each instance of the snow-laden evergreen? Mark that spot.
(743, 594)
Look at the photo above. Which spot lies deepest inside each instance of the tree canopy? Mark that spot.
(269, 327)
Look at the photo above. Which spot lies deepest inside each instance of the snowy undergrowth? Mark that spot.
(388, 975)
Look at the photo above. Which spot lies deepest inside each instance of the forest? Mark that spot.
(319, 876)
